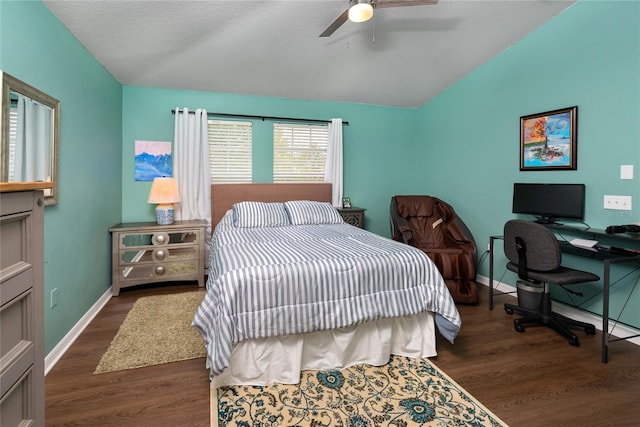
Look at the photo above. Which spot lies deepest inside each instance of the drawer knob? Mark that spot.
(160, 239)
(160, 255)
(160, 270)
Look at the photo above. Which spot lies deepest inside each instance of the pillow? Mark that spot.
(259, 214)
(304, 212)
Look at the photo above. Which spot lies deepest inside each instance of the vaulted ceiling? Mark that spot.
(403, 57)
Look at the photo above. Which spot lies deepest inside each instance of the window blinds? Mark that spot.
(299, 152)
(13, 128)
(230, 151)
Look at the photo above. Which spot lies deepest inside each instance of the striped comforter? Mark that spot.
(274, 281)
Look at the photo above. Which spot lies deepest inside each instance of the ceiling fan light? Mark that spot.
(360, 11)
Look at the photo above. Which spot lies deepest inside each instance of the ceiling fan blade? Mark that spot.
(380, 4)
(336, 24)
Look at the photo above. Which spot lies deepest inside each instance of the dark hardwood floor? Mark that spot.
(172, 395)
(531, 379)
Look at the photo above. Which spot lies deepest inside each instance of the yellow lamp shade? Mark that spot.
(164, 191)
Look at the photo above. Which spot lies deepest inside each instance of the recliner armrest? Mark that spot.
(399, 226)
(403, 230)
(406, 236)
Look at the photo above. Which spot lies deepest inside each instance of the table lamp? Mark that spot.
(164, 191)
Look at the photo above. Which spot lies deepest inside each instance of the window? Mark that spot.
(230, 151)
(299, 152)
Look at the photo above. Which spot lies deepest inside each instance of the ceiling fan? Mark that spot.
(362, 11)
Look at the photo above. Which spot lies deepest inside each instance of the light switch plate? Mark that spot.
(626, 172)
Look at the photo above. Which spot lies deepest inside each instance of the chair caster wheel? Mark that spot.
(574, 341)
(508, 310)
(590, 330)
(518, 327)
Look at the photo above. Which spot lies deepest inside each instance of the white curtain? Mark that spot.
(333, 167)
(33, 141)
(191, 164)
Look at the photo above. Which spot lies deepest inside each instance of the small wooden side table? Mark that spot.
(353, 216)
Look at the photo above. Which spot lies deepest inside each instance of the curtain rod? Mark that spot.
(263, 118)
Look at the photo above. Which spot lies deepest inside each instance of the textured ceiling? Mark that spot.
(402, 57)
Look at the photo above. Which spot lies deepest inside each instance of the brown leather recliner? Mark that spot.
(432, 226)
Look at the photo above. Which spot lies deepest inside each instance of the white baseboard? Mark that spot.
(59, 350)
(619, 331)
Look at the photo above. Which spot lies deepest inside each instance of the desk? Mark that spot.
(607, 259)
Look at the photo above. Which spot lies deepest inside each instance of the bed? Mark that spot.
(293, 287)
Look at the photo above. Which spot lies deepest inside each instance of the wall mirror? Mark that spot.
(30, 133)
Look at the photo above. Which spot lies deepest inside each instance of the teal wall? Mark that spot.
(376, 143)
(36, 48)
(587, 56)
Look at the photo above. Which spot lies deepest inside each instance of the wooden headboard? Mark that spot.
(223, 196)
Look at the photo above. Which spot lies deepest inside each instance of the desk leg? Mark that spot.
(605, 312)
(491, 239)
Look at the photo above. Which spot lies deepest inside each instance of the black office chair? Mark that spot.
(533, 252)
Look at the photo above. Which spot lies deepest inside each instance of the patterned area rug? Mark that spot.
(404, 392)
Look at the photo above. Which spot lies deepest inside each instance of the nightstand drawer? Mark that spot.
(137, 264)
(160, 238)
(137, 255)
(155, 271)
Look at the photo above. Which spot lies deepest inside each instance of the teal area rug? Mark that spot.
(405, 392)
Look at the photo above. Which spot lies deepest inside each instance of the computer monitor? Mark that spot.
(547, 202)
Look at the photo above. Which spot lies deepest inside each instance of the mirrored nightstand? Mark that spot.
(145, 252)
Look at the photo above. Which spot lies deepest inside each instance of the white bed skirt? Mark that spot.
(281, 359)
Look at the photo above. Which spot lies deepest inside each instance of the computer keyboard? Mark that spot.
(623, 251)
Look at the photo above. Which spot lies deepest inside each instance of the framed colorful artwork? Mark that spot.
(549, 140)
